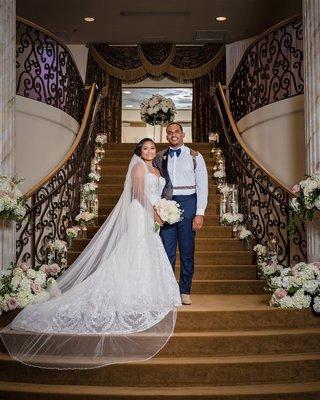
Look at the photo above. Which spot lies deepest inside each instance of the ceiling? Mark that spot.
(177, 21)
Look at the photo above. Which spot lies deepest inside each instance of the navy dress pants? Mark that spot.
(182, 234)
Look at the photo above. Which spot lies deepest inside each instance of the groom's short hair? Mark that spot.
(174, 123)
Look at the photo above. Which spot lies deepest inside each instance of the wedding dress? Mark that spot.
(118, 299)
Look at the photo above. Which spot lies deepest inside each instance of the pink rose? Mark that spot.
(24, 266)
(54, 269)
(12, 303)
(296, 188)
(317, 264)
(45, 268)
(36, 287)
(280, 293)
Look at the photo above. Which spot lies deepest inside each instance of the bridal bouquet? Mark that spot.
(169, 211)
(307, 204)
(157, 110)
(12, 201)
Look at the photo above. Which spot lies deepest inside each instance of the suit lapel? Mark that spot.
(165, 167)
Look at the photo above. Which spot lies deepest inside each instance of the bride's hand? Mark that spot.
(157, 219)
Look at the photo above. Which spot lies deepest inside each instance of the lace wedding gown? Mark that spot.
(118, 302)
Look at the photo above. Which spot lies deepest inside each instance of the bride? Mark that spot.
(117, 302)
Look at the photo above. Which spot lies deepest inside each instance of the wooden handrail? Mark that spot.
(83, 125)
(246, 148)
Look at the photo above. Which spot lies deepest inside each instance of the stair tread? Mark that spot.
(238, 359)
(35, 388)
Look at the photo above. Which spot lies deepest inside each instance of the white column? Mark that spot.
(7, 111)
(311, 45)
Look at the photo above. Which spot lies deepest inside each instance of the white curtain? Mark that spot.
(234, 52)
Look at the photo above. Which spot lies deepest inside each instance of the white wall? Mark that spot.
(44, 135)
(275, 134)
(80, 55)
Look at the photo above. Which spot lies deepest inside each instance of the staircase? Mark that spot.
(229, 344)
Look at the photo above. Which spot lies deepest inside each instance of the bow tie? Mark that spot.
(172, 152)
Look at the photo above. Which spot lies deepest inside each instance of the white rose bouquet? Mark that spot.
(157, 110)
(307, 204)
(101, 139)
(12, 201)
(231, 219)
(169, 211)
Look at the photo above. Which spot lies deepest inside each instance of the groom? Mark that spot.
(187, 183)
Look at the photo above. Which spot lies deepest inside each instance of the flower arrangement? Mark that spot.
(21, 285)
(12, 201)
(296, 287)
(169, 211)
(232, 219)
(94, 176)
(307, 204)
(101, 139)
(157, 110)
(246, 235)
(219, 174)
(56, 252)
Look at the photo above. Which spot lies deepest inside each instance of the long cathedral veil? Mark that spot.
(110, 309)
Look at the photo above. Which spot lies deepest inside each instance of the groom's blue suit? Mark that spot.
(180, 233)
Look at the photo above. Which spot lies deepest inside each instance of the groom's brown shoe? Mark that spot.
(185, 299)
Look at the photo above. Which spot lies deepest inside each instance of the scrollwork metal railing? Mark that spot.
(271, 69)
(54, 202)
(46, 70)
(263, 200)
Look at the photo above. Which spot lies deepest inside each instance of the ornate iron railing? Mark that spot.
(54, 203)
(263, 200)
(46, 70)
(270, 70)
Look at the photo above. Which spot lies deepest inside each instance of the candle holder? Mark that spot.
(272, 245)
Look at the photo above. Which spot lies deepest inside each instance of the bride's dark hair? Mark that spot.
(137, 150)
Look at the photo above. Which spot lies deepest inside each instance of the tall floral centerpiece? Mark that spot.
(12, 201)
(157, 110)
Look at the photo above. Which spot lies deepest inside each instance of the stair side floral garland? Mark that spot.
(290, 287)
(20, 284)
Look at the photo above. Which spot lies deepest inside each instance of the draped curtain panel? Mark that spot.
(110, 66)
(204, 113)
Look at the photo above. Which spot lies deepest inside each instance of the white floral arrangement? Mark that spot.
(296, 287)
(220, 173)
(102, 139)
(72, 232)
(157, 110)
(85, 216)
(89, 188)
(13, 204)
(169, 211)
(225, 190)
(307, 204)
(94, 176)
(231, 219)
(21, 285)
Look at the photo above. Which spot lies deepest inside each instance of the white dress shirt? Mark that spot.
(182, 173)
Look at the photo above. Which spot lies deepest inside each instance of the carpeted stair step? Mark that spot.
(228, 286)
(223, 272)
(205, 232)
(213, 257)
(282, 391)
(228, 343)
(201, 244)
(112, 198)
(238, 370)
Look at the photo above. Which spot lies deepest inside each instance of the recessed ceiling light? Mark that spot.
(129, 105)
(126, 92)
(221, 19)
(89, 19)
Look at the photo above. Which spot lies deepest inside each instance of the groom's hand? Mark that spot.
(197, 222)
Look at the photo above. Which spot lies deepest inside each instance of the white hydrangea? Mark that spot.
(316, 304)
